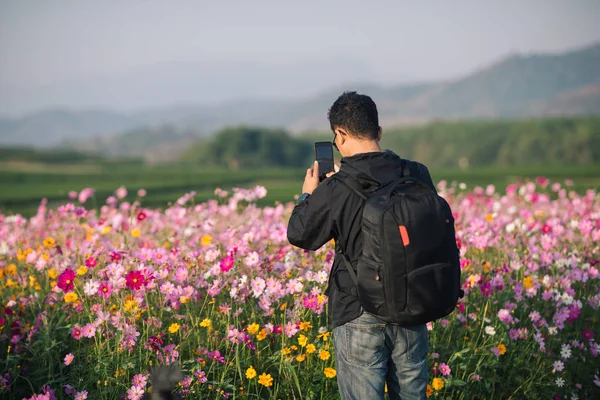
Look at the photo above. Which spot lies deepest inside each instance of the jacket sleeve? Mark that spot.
(310, 225)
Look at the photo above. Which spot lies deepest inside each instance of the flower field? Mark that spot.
(92, 300)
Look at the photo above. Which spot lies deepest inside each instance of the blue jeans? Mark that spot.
(369, 353)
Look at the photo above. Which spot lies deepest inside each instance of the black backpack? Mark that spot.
(409, 270)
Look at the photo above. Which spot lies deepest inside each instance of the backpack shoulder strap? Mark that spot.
(351, 183)
(404, 168)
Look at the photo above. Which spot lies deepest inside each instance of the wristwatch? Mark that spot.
(303, 197)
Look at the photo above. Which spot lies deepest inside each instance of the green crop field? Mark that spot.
(22, 186)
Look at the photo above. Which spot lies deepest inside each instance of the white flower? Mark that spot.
(490, 330)
(546, 280)
(252, 259)
(574, 224)
(574, 397)
(552, 330)
(322, 277)
(510, 227)
(462, 186)
(565, 351)
(3, 249)
(566, 298)
(560, 382)
(91, 287)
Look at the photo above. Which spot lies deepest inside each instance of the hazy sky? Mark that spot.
(53, 46)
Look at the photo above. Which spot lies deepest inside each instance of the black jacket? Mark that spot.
(334, 211)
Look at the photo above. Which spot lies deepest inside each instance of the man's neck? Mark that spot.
(370, 146)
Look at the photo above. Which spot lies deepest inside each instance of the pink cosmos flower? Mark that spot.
(139, 380)
(135, 393)
(85, 194)
(81, 395)
(69, 359)
(89, 330)
(445, 369)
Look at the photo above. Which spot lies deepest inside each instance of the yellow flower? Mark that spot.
(130, 304)
(11, 269)
(305, 326)
(528, 282)
(82, 270)
(429, 391)
(302, 340)
(135, 232)
(205, 323)
(437, 383)
(174, 327)
(184, 299)
(262, 335)
(301, 357)
(106, 229)
(206, 240)
(324, 355)
(330, 372)
(286, 351)
(253, 328)
(311, 348)
(1, 273)
(501, 348)
(70, 297)
(251, 373)
(265, 379)
(49, 242)
(489, 217)
(283, 306)
(324, 336)
(486, 266)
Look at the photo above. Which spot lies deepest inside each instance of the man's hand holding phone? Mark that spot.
(311, 180)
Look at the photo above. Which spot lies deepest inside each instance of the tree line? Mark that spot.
(556, 141)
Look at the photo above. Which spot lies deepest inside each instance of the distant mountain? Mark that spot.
(518, 86)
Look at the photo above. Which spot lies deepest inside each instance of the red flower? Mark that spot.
(65, 280)
(587, 334)
(115, 256)
(134, 280)
(141, 216)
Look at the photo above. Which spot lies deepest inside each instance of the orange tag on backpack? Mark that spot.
(404, 235)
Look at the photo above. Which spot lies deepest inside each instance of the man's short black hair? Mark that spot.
(355, 113)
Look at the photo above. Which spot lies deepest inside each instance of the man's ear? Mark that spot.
(342, 136)
(379, 132)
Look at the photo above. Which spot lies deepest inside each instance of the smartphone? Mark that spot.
(324, 156)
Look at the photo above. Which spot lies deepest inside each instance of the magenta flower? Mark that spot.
(134, 280)
(90, 262)
(76, 332)
(105, 290)
(65, 280)
(227, 263)
(587, 334)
